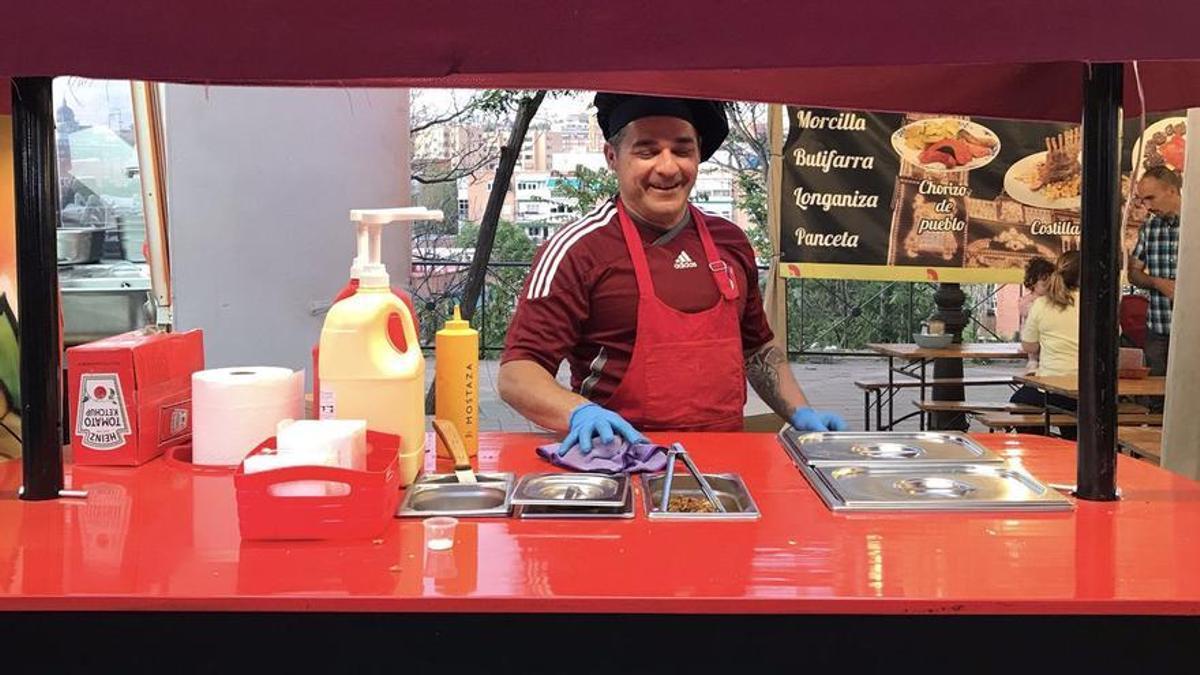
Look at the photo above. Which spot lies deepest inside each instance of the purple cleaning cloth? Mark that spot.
(616, 457)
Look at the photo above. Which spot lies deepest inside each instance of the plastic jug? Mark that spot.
(395, 327)
(364, 374)
(457, 381)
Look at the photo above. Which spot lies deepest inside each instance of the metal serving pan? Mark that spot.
(442, 495)
(103, 300)
(80, 245)
(567, 490)
(884, 448)
(965, 487)
(729, 488)
(625, 511)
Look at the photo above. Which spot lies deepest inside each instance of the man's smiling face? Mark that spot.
(656, 160)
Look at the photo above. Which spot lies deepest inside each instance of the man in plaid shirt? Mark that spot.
(1154, 259)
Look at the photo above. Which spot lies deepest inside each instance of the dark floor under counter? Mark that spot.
(800, 586)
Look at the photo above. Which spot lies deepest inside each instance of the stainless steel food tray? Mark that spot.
(884, 448)
(442, 495)
(572, 490)
(965, 487)
(625, 511)
(729, 488)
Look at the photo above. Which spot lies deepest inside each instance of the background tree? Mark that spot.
(524, 106)
(745, 154)
(504, 281)
(752, 199)
(470, 129)
(453, 138)
(824, 315)
(588, 188)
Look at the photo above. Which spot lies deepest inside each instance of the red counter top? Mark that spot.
(162, 537)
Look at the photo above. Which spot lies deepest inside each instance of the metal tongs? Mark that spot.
(677, 451)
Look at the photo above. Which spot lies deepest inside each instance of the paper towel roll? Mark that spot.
(235, 409)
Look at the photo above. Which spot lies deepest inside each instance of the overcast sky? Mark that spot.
(94, 100)
(444, 99)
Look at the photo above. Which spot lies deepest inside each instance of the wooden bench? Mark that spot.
(1131, 408)
(1013, 421)
(972, 408)
(880, 387)
(1139, 420)
(942, 381)
(1144, 443)
(975, 407)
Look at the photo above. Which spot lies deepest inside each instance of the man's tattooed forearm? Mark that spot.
(762, 371)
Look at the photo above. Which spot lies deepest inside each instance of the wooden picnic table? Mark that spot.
(970, 350)
(916, 358)
(1141, 441)
(1068, 385)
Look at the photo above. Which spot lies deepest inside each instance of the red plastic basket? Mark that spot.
(363, 512)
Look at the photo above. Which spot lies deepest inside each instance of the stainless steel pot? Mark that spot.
(80, 245)
(108, 303)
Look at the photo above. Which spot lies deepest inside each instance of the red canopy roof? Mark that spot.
(1012, 58)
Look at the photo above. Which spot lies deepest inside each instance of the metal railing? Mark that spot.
(825, 317)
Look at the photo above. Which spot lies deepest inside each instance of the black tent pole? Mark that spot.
(1099, 283)
(950, 301)
(36, 177)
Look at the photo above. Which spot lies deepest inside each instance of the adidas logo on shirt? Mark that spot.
(684, 261)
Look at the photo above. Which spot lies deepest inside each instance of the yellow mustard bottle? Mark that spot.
(456, 359)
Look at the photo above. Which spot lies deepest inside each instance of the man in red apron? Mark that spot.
(654, 304)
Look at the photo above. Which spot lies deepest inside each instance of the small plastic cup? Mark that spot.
(439, 533)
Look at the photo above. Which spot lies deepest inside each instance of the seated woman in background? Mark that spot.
(1037, 275)
(1051, 335)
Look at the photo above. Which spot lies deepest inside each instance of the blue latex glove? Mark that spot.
(807, 419)
(590, 420)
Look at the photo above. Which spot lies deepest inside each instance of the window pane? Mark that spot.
(101, 237)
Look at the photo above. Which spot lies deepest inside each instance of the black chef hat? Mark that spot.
(614, 111)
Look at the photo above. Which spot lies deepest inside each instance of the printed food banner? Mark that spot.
(10, 354)
(921, 197)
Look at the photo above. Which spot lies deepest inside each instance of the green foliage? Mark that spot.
(442, 196)
(839, 315)
(10, 357)
(511, 244)
(588, 188)
(503, 284)
(496, 101)
(752, 198)
(503, 101)
(823, 315)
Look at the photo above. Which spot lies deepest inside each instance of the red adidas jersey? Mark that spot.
(580, 298)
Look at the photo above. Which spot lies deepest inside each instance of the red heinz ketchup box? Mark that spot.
(131, 395)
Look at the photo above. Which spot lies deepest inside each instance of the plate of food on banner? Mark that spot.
(1164, 141)
(946, 144)
(1052, 178)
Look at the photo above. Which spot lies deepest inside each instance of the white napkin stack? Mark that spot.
(340, 443)
(270, 461)
(347, 438)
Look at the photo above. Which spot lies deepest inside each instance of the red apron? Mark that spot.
(686, 372)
